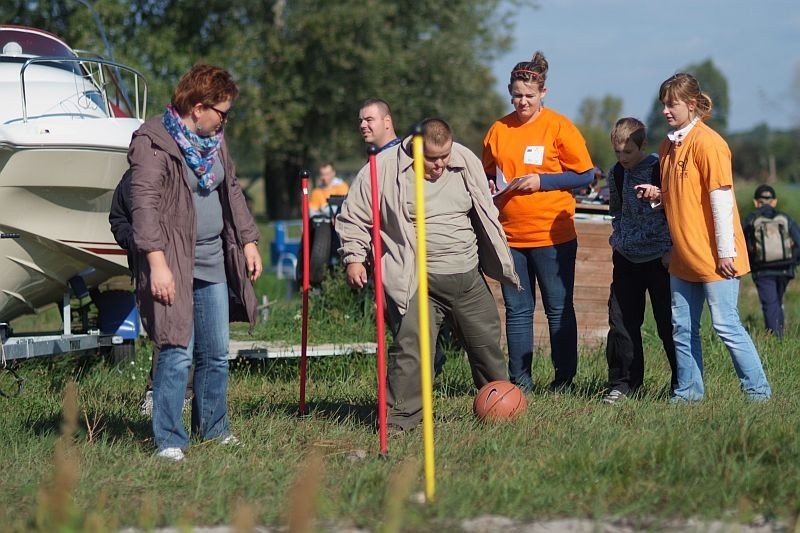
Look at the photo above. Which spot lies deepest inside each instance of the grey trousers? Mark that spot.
(467, 300)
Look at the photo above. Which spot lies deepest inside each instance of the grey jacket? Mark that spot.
(398, 234)
(163, 216)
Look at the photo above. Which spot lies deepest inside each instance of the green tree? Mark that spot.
(304, 66)
(596, 117)
(713, 83)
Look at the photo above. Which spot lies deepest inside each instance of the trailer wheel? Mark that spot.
(122, 353)
(320, 253)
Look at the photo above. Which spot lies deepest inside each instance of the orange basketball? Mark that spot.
(499, 400)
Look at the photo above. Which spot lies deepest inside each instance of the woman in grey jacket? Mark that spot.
(196, 254)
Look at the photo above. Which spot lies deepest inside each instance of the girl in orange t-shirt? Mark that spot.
(708, 252)
(534, 157)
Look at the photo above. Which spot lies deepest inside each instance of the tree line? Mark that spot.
(304, 67)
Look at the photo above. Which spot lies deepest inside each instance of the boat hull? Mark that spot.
(57, 200)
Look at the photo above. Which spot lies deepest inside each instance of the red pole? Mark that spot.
(306, 257)
(377, 253)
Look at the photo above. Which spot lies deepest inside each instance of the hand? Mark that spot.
(651, 193)
(162, 284)
(726, 267)
(528, 184)
(356, 275)
(492, 186)
(665, 259)
(253, 258)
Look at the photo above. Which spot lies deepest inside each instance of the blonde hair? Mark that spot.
(629, 129)
(533, 71)
(683, 87)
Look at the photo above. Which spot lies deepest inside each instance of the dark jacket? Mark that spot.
(794, 231)
(163, 215)
(119, 216)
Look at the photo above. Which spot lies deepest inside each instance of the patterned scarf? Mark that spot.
(198, 152)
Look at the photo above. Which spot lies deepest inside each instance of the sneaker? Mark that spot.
(173, 454)
(614, 396)
(394, 430)
(232, 441)
(146, 407)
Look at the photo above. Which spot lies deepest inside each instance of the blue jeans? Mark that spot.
(553, 267)
(687, 308)
(209, 349)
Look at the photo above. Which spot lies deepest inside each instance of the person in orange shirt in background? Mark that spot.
(328, 184)
(709, 253)
(534, 157)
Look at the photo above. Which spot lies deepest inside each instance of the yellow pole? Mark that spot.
(424, 341)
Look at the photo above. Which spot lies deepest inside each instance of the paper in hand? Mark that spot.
(499, 182)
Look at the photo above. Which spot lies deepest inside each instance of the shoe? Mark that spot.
(395, 430)
(524, 384)
(615, 396)
(232, 441)
(146, 407)
(173, 454)
(561, 387)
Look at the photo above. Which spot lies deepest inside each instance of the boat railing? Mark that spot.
(101, 74)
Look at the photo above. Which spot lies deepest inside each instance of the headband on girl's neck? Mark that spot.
(526, 71)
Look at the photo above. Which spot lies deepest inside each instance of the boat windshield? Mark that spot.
(32, 43)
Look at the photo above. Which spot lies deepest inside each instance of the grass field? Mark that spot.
(570, 456)
(78, 455)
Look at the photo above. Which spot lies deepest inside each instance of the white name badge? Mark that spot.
(534, 155)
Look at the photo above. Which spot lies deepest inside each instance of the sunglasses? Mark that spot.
(223, 115)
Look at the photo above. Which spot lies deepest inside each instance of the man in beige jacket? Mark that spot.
(464, 239)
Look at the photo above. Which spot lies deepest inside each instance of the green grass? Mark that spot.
(569, 456)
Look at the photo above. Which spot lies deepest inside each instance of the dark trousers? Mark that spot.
(466, 299)
(770, 291)
(626, 306)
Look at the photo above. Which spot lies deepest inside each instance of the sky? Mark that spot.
(628, 47)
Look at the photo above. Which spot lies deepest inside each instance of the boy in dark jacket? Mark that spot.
(770, 277)
(641, 245)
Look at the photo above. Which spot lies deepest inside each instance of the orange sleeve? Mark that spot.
(316, 200)
(713, 160)
(572, 150)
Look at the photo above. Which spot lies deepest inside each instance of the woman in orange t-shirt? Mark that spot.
(708, 247)
(534, 157)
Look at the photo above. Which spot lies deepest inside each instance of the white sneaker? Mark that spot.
(146, 407)
(230, 440)
(173, 454)
(615, 396)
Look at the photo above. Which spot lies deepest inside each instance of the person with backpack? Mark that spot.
(641, 246)
(773, 244)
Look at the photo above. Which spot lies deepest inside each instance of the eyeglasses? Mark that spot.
(766, 197)
(223, 115)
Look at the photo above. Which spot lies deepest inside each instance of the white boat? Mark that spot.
(65, 127)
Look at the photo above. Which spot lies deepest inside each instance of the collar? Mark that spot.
(393, 142)
(677, 136)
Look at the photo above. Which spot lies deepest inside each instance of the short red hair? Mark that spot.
(204, 84)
